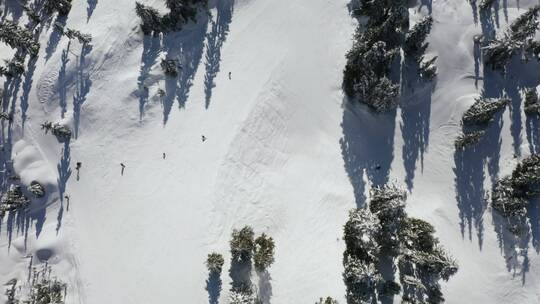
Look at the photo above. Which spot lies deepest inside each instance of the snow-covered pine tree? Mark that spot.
(467, 139)
(532, 102)
(518, 38)
(61, 6)
(215, 262)
(242, 244)
(263, 252)
(483, 110)
(150, 17)
(17, 37)
(415, 41)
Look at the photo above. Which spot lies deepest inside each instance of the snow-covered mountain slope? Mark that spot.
(284, 153)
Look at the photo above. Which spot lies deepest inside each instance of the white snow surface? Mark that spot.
(281, 144)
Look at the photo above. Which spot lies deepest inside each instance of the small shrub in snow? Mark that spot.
(532, 102)
(328, 300)
(483, 110)
(242, 244)
(36, 189)
(467, 139)
(263, 255)
(215, 262)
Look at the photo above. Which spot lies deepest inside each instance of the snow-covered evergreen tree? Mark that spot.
(242, 244)
(150, 17)
(532, 102)
(263, 255)
(467, 139)
(61, 6)
(415, 41)
(17, 37)
(215, 262)
(483, 110)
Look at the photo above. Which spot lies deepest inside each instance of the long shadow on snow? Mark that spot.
(214, 42)
(367, 146)
(187, 47)
(90, 9)
(64, 172)
(151, 48)
(13, 9)
(83, 84)
(265, 287)
(55, 37)
(213, 286)
(415, 117)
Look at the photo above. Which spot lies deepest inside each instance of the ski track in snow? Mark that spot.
(280, 145)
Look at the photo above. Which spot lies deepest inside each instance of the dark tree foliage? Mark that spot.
(385, 232)
(61, 6)
(17, 37)
(518, 39)
(366, 77)
(180, 13)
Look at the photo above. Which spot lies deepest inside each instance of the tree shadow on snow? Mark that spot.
(214, 42)
(83, 84)
(213, 286)
(187, 47)
(90, 9)
(415, 118)
(265, 287)
(64, 172)
(367, 146)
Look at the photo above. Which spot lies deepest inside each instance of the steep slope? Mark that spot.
(283, 153)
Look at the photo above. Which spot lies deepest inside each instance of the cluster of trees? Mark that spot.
(518, 39)
(13, 200)
(246, 251)
(512, 193)
(377, 46)
(18, 38)
(476, 119)
(180, 13)
(41, 289)
(384, 233)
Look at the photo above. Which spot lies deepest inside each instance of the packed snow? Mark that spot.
(283, 152)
